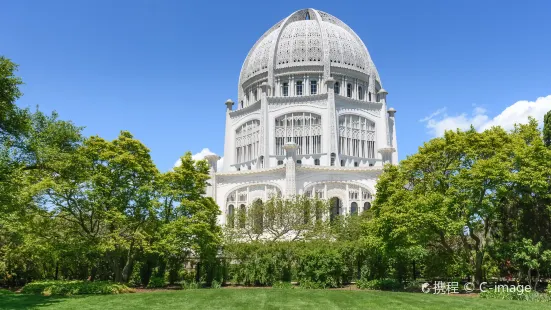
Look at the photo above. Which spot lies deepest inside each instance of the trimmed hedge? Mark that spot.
(65, 288)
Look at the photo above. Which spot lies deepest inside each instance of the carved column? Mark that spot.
(329, 132)
(229, 138)
(265, 140)
(290, 170)
(392, 128)
(213, 162)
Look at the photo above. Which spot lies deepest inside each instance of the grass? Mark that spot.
(261, 298)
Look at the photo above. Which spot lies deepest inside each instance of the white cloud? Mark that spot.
(201, 155)
(437, 123)
(433, 115)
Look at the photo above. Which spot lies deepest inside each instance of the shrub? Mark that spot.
(156, 282)
(320, 267)
(261, 264)
(380, 284)
(215, 284)
(190, 285)
(66, 288)
(413, 286)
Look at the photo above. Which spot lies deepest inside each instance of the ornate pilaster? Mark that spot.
(211, 188)
(331, 128)
(392, 135)
(229, 138)
(265, 126)
(290, 171)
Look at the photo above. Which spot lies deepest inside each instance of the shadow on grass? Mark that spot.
(11, 300)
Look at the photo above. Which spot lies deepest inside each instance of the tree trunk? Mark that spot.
(93, 273)
(127, 270)
(478, 267)
(56, 270)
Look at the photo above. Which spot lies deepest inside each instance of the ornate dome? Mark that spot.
(307, 38)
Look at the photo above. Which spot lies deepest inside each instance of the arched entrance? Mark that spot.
(335, 208)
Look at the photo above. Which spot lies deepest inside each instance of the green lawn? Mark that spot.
(262, 299)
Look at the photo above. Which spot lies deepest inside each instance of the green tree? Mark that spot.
(13, 120)
(447, 196)
(547, 129)
(189, 220)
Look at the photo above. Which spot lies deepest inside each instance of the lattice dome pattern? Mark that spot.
(307, 37)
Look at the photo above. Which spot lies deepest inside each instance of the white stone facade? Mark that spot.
(311, 118)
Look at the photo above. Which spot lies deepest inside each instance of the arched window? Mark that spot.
(285, 89)
(354, 208)
(242, 216)
(313, 87)
(337, 88)
(317, 161)
(356, 136)
(360, 93)
(247, 141)
(231, 216)
(333, 156)
(299, 88)
(349, 90)
(302, 128)
(367, 206)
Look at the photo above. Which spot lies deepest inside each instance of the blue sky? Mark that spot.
(163, 69)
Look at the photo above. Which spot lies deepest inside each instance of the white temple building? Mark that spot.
(310, 118)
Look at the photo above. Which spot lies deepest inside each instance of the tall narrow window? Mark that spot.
(356, 136)
(241, 104)
(247, 141)
(369, 94)
(349, 90)
(360, 93)
(337, 88)
(285, 89)
(313, 87)
(342, 162)
(378, 97)
(299, 88)
(302, 128)
(333, 156)
(255, 95)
